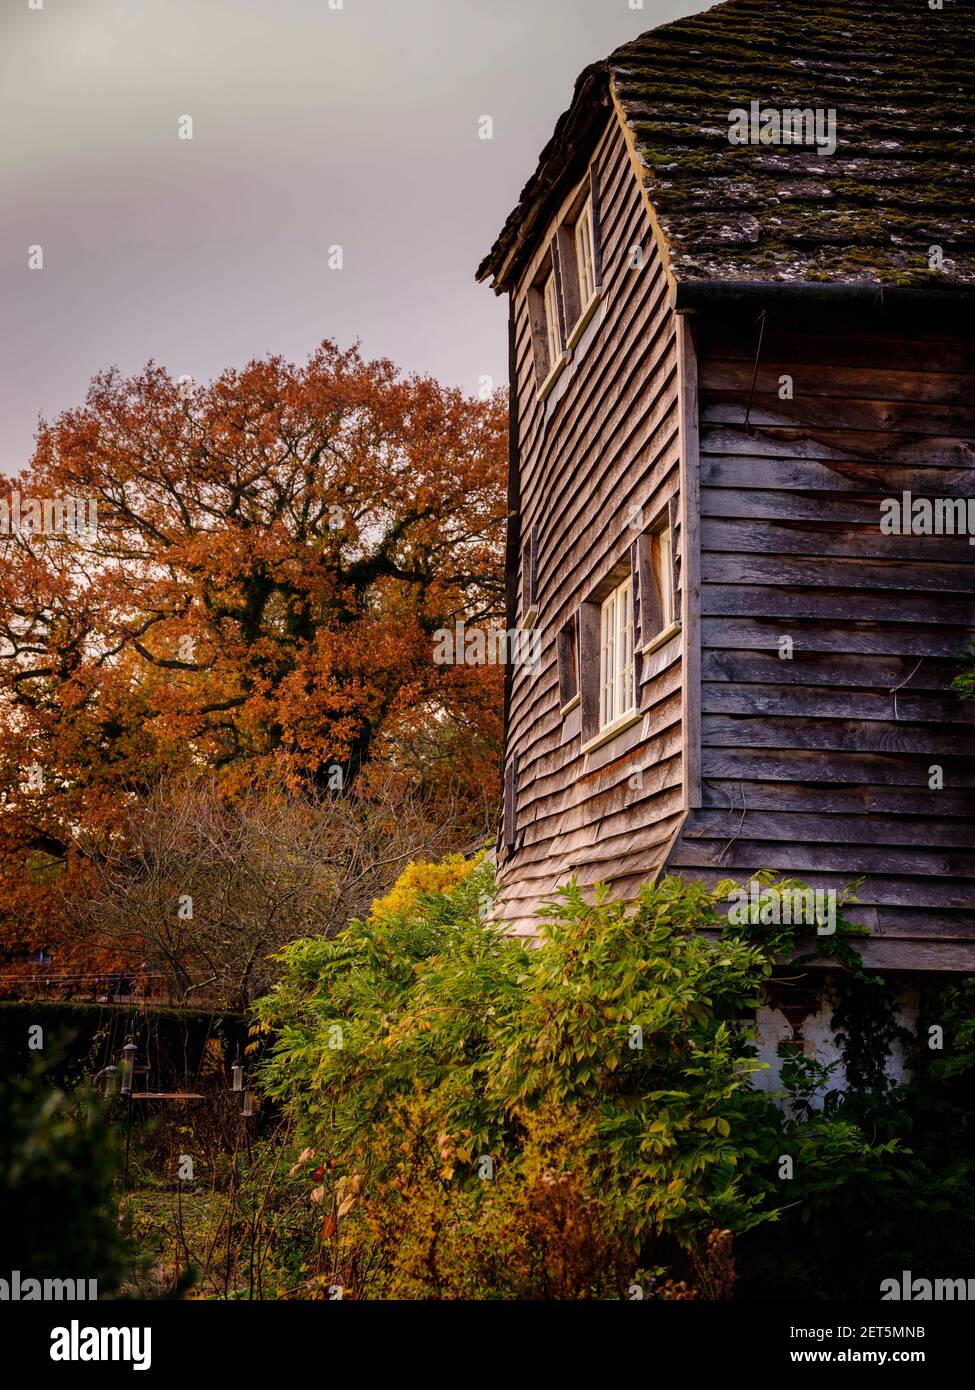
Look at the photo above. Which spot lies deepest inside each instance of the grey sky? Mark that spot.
(312, 127)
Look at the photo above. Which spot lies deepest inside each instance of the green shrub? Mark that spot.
(58, 1165)
(473, 1105)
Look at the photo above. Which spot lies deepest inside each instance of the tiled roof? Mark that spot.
(900, 77)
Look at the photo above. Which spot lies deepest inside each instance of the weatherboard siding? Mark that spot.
(604, 444)
(819, 767)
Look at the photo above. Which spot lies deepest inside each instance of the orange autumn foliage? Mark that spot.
(274, 551)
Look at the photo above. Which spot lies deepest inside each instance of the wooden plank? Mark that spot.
(781, 504)
(836, 381)
(935, 808)
(813, 828)
(852, 415)
(793, 539)
(724, 599)
(871, 769)
(842, 572)
(840, 447)
(725, 336)
(817, 701)
(755, 633)
(690, 612)
(824, 669)
(853, 735)
(893, 875)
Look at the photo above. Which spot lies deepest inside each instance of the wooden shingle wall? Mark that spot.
(604, 444)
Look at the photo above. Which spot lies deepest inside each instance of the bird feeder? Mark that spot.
(128, 1066)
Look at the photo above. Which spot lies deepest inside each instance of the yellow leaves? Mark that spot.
(318, 1193)
(422, 877)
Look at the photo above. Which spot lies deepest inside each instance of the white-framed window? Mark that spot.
(585, 255)
(617, 695)
(663, 564)
(550, 299)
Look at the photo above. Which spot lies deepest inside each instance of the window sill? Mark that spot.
(582, 322)
(548, 384)
(661, 639)
(618, 726)
(569, 706)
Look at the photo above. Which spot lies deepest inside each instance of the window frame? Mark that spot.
(529, 578)
(566, 288)
(617, 657)
(585, 256)
(550, 307)
(657, 567)
(567, 654)
(594, 730)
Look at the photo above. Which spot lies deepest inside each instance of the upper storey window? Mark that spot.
(585, 254)
(617, 695)
(552, 334)
(566, 287)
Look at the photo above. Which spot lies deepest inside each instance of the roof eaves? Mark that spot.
(572, 133)
(955, 302)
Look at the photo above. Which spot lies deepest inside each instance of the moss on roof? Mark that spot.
(901, 78)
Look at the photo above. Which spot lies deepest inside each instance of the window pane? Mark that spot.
(616, 685)
(584, 255)
(624, 648)
(552, 322)
(665, 573)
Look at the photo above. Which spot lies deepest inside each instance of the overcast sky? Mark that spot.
(312, 127)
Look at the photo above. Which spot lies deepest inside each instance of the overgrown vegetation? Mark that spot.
(451, 1113)
(58, 1166)
(481, 1118)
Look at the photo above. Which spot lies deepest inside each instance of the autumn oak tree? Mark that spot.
(274, 551)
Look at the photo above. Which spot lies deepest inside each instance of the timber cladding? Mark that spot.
(828, 648)
(779, 347)
(594, 452)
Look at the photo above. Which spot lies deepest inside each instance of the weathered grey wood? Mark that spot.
(690, 510)
(609, 446)
(856, 766)
(848, 572)
(866, 542)
(819, 766)
(724, 339)
(933, 809)
(821, 702)
(895, 417)
(836, 604)
(841, 447)
(757, 633)
(838, 735)
(829, 668)
(726, 376)
(814, 827)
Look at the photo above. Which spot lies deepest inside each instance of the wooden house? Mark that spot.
(734, 353)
